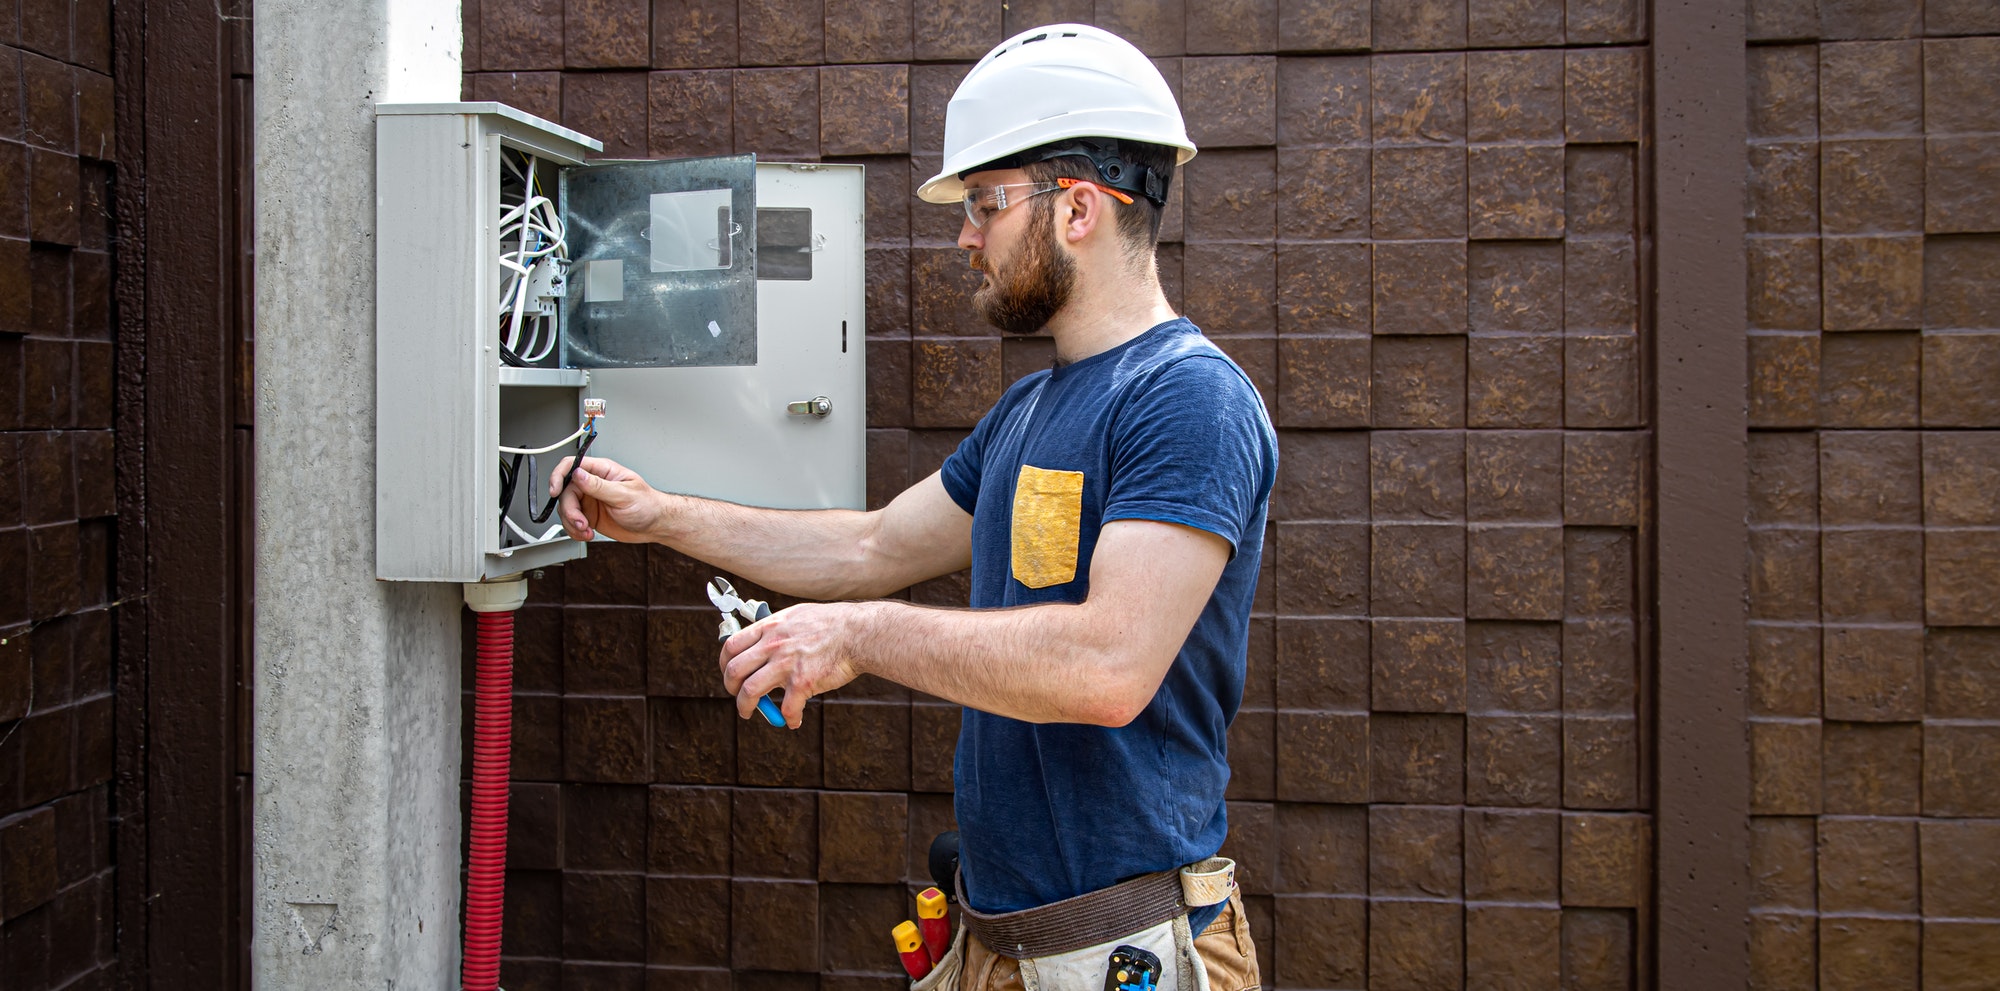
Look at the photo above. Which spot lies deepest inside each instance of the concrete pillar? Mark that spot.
(356, 832)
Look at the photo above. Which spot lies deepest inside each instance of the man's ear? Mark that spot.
(1090, 209)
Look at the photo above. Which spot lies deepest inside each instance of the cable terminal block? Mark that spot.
(547, 282)
(593, 407)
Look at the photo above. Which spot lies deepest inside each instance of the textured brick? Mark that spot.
(1418, 665)
(1322, 849)
(1602, 385)
(604, 827)
(694, 34)
(774, 925)
(1323, 101)
(606, 34)
(690, 830)
(1605, 21)
(1513, 760)
(1514, 23)
(1253, 843)
(1881, 19)
(1872, 768)
(1598, 572)
(1960, 868)
(1784, 871)
(779, 758)
(1513, 947)
(1417, 570)
(1324, 382)
(1323, 664)
(1784, 952)
(1418, 99)
(604, 917)
(54, 180)
(609, 106)
(1873, 673)
(1419, 192)
(1599, 671)
(1783, 82)
(687, 921)
(1322, 568)
(1962, 673)
(1420, 24)
(1961, 770)
(1415, 852)
(1515, 191)
(867, 31)
(1784, 188)
(1957, 84)
(1784, 670)
(851, 932)
(774, 833)
(1323, 25)
(1869, 380)
(1869, 477)
(1324, 757)
(1320, 940)
(1601, 478)
(604, 739)
(1514, 381)
(1231, 289)
(1961, 471)
(1871, 186)
(1232, 194)
(1231, 102)
(694, 740)
(1597, 947)
(1873, 87)
(777, 113)
(1512, 856)
(1872, 282)
(1867, 865)
(864, 110)
(1604, 860)
(1600, 285)
(1416, 476)
(781, 32)
(867, 745)
(1419, 382)
(27, 862)
(1867, 953)
(1324, 193)
(1416, 758)
(1958, 372)
(1784, 283)
(1602, 94)
(1514, 572)
(1253, 757)
(1872, 575)
(861, 836)
(1784, 768)
(1415, 944)
(1600, 194)
(1511, 477)
(49, 95)
(1514, 96)
(1323, 475)
(1513, 667)
(521, 36)
(1600, 762)
(1961, 17)
(1157, 28)
(1959, 955)
(953, 383)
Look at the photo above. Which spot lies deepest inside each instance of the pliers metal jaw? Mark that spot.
(736, 611)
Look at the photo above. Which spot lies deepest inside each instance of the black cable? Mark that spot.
(581, 447)
(509, 475)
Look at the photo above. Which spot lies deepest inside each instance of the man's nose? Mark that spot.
(969, 236)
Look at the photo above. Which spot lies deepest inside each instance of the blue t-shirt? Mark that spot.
(1163, 427)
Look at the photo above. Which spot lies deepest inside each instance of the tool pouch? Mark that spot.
(1159, 957)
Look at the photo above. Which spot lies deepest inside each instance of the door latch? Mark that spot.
(817, 406)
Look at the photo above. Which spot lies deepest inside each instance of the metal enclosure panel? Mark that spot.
(436, 371)
(724, 432)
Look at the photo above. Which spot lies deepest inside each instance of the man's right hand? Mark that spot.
(608, 498)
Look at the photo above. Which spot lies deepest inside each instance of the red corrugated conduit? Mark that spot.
(492, 733)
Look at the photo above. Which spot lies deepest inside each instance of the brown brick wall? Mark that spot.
(1420, 230)
(57, 501)
(1874, 247)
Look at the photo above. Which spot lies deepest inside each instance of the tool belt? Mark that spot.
(1074, 943)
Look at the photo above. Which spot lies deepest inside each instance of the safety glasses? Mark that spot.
(982, 202)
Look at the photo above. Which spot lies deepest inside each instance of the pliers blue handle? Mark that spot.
(725, 598)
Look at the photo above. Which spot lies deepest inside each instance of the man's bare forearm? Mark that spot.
(811, 554)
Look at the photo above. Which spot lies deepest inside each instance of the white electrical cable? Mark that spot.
(529, 537)
(537, 230)
(565, 442)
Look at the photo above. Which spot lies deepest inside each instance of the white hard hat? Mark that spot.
(1052, 84)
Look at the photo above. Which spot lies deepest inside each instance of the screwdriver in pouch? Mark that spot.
(910, 946)
(931, 919)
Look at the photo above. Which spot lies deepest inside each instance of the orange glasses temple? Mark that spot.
(1115, 194)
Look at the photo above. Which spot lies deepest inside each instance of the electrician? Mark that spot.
(1111, 509)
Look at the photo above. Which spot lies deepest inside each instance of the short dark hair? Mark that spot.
(1139, 223)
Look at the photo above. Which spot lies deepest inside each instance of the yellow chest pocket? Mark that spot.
(1048, 509)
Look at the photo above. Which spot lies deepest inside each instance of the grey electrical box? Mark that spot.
(713, 307)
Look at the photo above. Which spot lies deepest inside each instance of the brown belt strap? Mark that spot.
(1074, 923)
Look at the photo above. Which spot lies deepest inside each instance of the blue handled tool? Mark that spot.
(735, 611)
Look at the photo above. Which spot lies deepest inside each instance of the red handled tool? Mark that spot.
(910, 946)
(931, 919)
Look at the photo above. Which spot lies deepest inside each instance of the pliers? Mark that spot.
(735, 611)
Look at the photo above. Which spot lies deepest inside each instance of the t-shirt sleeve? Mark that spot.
(1194, 448)
(962, 471)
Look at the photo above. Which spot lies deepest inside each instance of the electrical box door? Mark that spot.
(711, 309)
(787, 433)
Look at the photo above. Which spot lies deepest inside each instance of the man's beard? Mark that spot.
(1037, 285)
